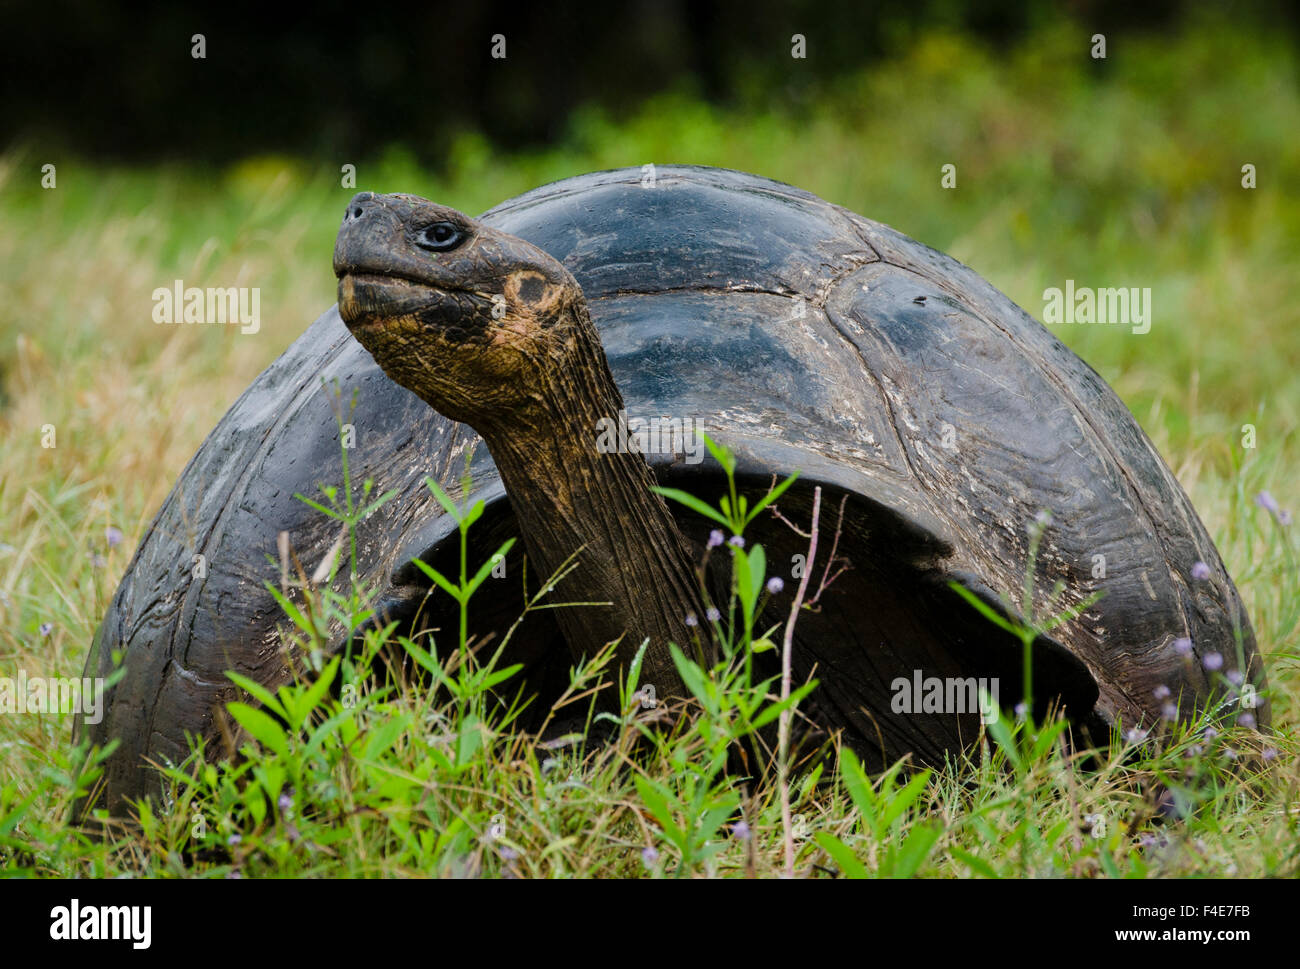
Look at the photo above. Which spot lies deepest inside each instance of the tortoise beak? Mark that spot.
(380, 278)
(370, 230)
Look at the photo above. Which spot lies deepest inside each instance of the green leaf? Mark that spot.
(842, 854)
(1107, 863)
(985, 610)
(375, 505)
(905, 798)
(315, 693)
(454, 832)
(426, 660)
(318, 506)
(474, 514)
(448, 505)
(10, 820)
(1003, 735)
(693, 503)
(859, 786)
(331, 729)
(722, 454)
(1071, 611)
(772, 712)
(271, 777)
(712, 819)
(439, 579)
(751, 570)
(914, 851)
(469, 740)
(261, 727)
(384, 736)
(656, 802)
(810, 782)
(500, 676)
(258, 692)
(486, 569)
(977, 865)
(695, 679)
(634, 672)
(1046, 739)
(292, 611)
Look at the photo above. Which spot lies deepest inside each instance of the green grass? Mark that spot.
(1122, 174)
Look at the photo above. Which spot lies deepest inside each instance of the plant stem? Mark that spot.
(783, 735)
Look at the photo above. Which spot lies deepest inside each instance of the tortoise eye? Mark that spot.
(440, 237)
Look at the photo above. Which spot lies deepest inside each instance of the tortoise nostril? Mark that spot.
(358, 207)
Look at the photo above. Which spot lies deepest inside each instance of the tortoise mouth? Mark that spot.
(369, 300)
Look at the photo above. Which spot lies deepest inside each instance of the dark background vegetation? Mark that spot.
(347, 80)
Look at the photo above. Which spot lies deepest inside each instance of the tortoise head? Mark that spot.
(466, 316)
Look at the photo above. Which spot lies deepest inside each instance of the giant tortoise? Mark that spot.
(800, 335)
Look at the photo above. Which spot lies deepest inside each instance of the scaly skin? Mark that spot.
(491, 331)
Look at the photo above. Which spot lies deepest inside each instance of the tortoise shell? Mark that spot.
(804, 337)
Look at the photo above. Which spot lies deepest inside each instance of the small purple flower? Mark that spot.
(234, 839)
(1022, 711)
(736, 541)
(285, 802)
(1246, 720)
(1135, 735)
(1183, 646)
(507, 853)
(1229, 753)
(1195, 750)
(1267, 502)
(46, 629)
(649, 855)
(1210, 733)
(1200, 571)
(1269, 753)
(1161, 692)
(740, 830)
(1212, 661)
(715, 538)
(1043, 518)
(712, 615)
(1284, 517)
(1169, 711)
(775, 585)
(691, 620)
(113, 536)
(1235, 677)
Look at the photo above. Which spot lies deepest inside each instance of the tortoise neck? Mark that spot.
(572, 497)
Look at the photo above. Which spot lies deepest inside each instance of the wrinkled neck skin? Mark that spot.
(570, 498)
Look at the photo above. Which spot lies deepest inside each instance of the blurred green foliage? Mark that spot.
(1122, 172)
